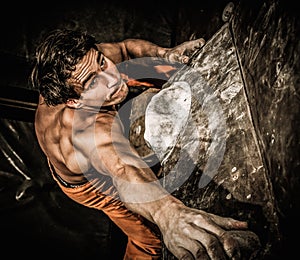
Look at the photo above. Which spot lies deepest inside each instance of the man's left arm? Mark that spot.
(138, 48)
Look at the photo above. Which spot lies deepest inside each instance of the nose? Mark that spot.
(112, 77)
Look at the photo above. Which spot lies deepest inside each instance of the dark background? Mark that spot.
(36, 219)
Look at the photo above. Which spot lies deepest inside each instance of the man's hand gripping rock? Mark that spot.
(182, 52)
(195, 234)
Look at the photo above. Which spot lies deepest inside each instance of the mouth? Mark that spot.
(117, 84)
(121, 87)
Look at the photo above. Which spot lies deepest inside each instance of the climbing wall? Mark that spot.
(233, 144)
(214, 161)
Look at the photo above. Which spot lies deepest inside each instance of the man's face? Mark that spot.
(100, 80)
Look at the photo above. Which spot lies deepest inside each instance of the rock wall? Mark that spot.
(215, 162)
(238, 152)
(266, 37)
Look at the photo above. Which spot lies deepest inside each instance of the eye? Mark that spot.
(102, 63)
(93, 83)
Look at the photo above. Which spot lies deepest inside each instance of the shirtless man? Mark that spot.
(78, 129)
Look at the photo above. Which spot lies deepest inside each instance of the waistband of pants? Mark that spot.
(62, 181)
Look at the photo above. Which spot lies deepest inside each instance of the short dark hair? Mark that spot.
(55, 59)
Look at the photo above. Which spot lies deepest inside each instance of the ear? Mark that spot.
(73, 103)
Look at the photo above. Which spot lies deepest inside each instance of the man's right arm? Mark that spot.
(186, 231)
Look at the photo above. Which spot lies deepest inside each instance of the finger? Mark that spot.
(187, 248)
(213, 225)
(187, 256)
(192, 247)
(230, 245)
(213, 248)
(204, 244)
(182, 254)
(198, 250)
(173, 57)
(195, 44)
(228, 223)
(191, 47)
(184, 59)
(201, 42)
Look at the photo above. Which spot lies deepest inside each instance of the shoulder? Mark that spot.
(115, 51)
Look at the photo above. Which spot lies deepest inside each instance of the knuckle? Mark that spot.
(201, 254)
(213, 243)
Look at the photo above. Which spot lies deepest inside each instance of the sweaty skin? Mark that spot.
(77, 138)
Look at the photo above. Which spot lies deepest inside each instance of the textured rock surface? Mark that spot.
(215, 162)
(250, 67)
(267, 41)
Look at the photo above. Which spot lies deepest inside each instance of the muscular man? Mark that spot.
(78, 129)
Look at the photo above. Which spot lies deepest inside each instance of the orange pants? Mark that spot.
(142, 243)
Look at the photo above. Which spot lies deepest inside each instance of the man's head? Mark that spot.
(56, 59)
(70, 70)
(99, 81)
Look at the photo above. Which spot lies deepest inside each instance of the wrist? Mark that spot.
(162, 52)
(169, 206)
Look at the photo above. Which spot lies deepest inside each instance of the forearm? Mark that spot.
(137, 185)
(131, 48)
(142, 193)
(137, 48)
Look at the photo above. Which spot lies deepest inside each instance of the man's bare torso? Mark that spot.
(55, 131)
